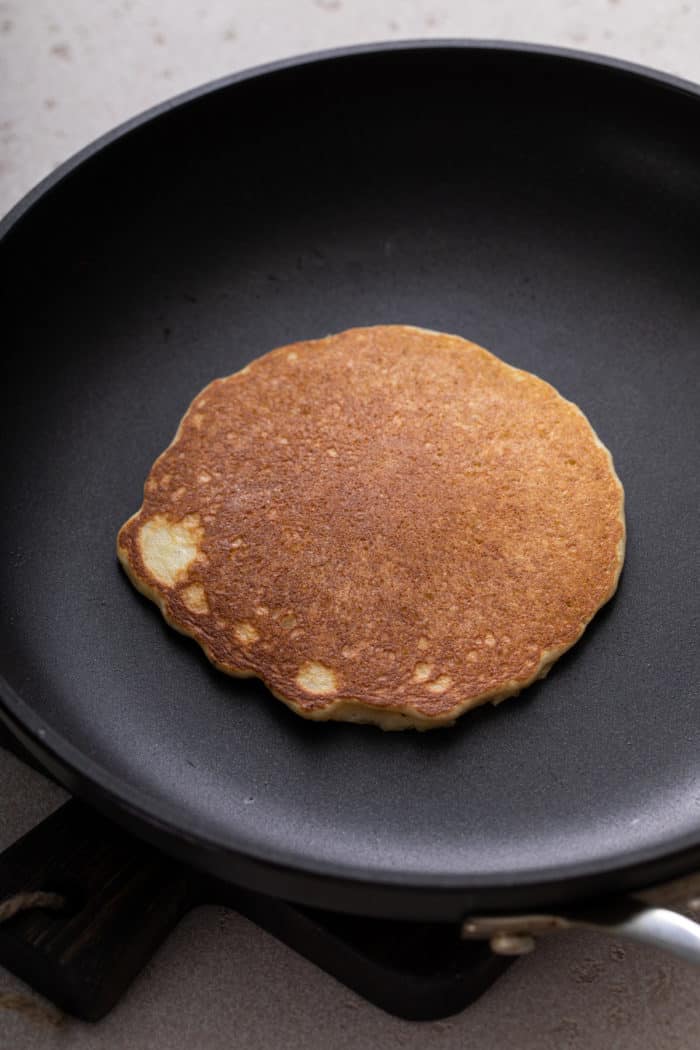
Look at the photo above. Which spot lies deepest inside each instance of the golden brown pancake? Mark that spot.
(388, 525)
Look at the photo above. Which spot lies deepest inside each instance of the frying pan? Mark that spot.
(543, 203)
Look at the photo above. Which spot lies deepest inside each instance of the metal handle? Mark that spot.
(635, 918)
(664, 929)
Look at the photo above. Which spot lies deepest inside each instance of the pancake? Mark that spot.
(388, 525)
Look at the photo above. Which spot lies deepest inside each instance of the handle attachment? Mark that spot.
(634, 918)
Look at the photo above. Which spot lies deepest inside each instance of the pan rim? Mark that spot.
(590, 58)
(150, 815)
(344, 886)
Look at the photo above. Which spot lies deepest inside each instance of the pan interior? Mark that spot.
(543, 207)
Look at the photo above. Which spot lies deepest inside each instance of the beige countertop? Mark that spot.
(68, 72)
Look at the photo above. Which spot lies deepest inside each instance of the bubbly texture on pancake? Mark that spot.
(388, 525)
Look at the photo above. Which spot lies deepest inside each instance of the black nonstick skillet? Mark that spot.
(542, 203)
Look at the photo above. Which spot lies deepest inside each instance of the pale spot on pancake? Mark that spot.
(179, 493)
(202, 402)
(332, 453)
(472, 656)
(245, 633)
(288, 621)
(440, 685)
(261, 610)
(168, 547)
(195, 598)
(283, 441)
(237, 547)
(292, 355)
(165, 481)
(316, 678)
(422, 672)
(423, 644)
(151, 486)
(489, 640)
(197, 419)
(203, 478)
(296, 633)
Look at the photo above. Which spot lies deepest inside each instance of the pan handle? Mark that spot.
(647, 918)
(660, 927)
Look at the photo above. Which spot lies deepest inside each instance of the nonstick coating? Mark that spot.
(543, 205)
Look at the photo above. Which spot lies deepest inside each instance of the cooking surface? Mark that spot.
(662, 991)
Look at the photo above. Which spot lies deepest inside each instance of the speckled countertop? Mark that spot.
(68, 72)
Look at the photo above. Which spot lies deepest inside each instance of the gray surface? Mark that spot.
(70, 71)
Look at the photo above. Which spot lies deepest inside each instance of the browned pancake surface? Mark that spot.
(386, 525)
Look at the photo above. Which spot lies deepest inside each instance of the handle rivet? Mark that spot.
(512, 943)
